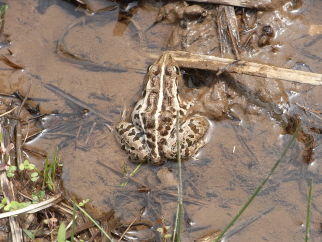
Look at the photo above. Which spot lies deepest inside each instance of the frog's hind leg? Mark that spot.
(192, 134)
(132, 141)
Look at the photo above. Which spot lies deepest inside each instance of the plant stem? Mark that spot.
(258, 189)
(179, 213)
(308, 211)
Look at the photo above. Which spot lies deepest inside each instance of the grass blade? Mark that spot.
(259, 188)
(179, 213)
(73, 224)
(61, 237)
(93, 221)
(308, 211)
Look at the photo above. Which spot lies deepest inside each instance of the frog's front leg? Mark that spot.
(132, 141)
(191, 137)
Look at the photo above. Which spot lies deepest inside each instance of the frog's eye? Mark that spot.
(173, 70)
(153, 69)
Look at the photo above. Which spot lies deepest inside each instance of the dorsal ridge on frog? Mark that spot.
(151, 135)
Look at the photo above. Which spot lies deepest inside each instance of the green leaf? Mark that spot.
(38, 196)
(4, 201)
(34, 179)
(7, 208)
(34, 174)
(10, 174)
(14, 205)
(61, 237)
(30, 167)
(12, 168)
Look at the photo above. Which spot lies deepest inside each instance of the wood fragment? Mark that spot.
(5, 113)
(221, 22)
(207, 62)
(10, 63)
(128, 227)
(7, 188)
(260, 4)
(232, 25)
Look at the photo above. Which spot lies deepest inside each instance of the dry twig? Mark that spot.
(7, 189)
(33, 208)
(259, 4)
(207, 62)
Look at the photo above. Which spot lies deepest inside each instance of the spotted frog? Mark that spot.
(152, 136)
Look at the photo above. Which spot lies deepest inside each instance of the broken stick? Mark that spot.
(207, 62)
(258, 4)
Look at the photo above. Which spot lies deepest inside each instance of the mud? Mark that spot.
(84, 69)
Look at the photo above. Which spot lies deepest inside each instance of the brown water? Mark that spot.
(106, 73)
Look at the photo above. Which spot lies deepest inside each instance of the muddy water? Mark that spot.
(99, 67)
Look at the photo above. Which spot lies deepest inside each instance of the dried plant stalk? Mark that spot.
(207, 62)
(259, 4)
(8, 190)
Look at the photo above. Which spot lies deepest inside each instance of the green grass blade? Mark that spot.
(308, 211)
(93, 221)
(179, 213)
(61, 237)
(178, 224)
(73, 223)
(133, 173)
(136, 170)
(29, 233)
(259, 188)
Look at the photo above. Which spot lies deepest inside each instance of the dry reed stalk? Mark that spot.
(258, 4)
(7, 187)
(207, 62)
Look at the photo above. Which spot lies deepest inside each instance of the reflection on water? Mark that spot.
(98, 72)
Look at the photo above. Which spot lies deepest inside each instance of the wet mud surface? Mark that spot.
(85, 69)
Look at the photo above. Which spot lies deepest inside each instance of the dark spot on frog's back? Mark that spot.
(151, 145)
(136, 116)
(193, 127)
(150, 137)
(153, 153)
(139, 107)
(166, 120)
(149, 123)
(189, 142)
(122, 129)
(163, 132)
(132, 133)
(163, 141)
(136, 137)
